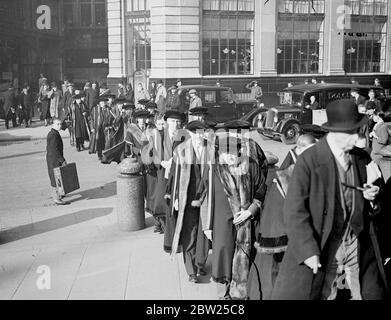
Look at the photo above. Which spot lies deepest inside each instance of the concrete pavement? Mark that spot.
(77, 251)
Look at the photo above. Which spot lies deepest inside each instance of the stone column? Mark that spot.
(266, 33)
(116, 41)
(334, 49)
(176, 39)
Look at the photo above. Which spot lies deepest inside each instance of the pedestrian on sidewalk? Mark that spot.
(26, 103)
(10, 107)
(55, 157)
(55, 97)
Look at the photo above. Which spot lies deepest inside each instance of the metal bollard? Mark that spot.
(130, 196)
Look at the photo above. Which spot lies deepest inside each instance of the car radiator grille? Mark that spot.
(269, 124)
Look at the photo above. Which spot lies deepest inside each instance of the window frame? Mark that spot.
(236, 66)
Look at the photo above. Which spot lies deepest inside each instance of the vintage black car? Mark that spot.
(293, 116)
(221, 102)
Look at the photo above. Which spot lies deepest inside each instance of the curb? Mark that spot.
(18, 139)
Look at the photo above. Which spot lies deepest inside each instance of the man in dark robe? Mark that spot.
(26, 102)
(55, 157)
(10, 107)
(185, 175)
(81, 127)
(329, 215)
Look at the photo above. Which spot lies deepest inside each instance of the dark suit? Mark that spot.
(311, 210)
(10, 102)
(54, 153)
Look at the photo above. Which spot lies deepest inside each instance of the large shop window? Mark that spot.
(228, 37)
(300, 36)
(139, 34)
(366, 39)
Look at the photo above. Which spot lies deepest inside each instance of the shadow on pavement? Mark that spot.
(21, 155)
(51, 224)
(105, 191)
(5, 137)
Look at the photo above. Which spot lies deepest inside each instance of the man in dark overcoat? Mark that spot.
(55, 157)
(81, 128)
(9, 107)
(97, 140)
(332, 244)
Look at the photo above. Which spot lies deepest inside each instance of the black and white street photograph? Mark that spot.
(195, 151)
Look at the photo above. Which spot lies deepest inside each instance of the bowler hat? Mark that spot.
(198, 110)
(141, 114)
(102, 98)
(343, 116)
(173, 114)
(196, 125)
(192, 91)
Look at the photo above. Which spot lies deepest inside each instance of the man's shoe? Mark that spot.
(201, 272)
(61, 203)
(157, 229)
(193, 278)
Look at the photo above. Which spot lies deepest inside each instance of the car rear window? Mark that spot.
(210, 96)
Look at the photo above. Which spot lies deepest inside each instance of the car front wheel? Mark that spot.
(290, 134)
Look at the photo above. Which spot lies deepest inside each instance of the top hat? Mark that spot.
(343, 116)
(198, 111)
(173, 114)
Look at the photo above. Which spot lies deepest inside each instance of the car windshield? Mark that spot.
(289, 97)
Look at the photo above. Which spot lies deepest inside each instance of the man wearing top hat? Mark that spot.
(80, 120)
(185, 175)
(330, 216)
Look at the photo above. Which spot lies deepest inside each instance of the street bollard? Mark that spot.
(130, 196)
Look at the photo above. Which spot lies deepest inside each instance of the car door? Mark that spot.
(209, 100)
(225, 108)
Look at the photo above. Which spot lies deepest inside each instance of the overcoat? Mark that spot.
(309, 211)
(9, 101)
(54, 153)
(56, 109)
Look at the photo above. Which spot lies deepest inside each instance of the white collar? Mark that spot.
(337, 152)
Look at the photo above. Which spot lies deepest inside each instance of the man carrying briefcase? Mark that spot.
(55, 158)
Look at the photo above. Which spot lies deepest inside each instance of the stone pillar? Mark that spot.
(116, 41)
(176, 39)
(266, 32)
(388, 49)
(334, 49)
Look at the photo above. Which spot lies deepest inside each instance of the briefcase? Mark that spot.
(66, 179)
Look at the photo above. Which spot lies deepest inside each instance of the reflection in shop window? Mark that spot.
(366, 41)
(228, 37)
(300, 36)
